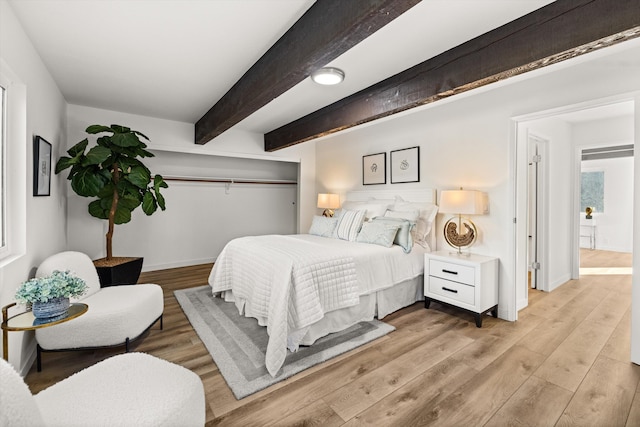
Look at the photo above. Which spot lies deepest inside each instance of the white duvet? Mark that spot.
(290, 282)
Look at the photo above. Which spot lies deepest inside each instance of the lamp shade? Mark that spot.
(328, 201)
(465, 202)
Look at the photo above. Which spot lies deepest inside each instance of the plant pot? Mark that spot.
(118, 270)
(56, 307)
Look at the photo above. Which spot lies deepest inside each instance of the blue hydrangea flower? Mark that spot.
(58, 284)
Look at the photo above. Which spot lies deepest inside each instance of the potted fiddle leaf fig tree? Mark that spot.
(111, 173)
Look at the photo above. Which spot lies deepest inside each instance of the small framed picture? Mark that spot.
(41, 167)
(405, 165)
(374, 169)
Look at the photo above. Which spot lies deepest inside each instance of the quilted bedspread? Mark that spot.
(286, 283)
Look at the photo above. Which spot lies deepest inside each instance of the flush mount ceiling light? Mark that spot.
(328, 76)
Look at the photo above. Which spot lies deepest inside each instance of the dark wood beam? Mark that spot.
(327, 30)
(559, 31)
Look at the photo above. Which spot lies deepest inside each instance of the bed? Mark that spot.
(364, 263)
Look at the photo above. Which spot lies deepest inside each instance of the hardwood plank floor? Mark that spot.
(589, 258)
(564, 362)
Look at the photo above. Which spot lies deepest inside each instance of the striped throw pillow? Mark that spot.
(349, 225)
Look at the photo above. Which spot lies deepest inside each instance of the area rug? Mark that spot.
(238, 344)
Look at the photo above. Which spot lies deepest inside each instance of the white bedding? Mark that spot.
(289, 283)
(377, 267)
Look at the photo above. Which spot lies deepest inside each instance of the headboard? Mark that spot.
(426, 195)
(423, 195)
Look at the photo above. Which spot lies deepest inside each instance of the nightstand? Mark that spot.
(468, 282)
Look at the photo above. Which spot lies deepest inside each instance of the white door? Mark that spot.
(536, 218)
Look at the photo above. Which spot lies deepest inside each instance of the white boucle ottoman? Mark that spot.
(132, 389)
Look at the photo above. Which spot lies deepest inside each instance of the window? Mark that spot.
(592, 191)
(13, 155)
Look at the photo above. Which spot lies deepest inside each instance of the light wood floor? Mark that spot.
(564, 362)
(591, 259)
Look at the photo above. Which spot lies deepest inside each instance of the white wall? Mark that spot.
(45, 216)
(200, 218)
(468, 141)
(603, 133)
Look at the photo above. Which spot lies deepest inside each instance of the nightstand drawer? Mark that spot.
(452, 290)
(449, 271)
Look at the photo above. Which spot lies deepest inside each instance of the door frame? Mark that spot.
(521, 200)
(518, 177)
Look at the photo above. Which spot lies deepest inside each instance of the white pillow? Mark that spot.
(378, 233)
(426, 217)
(372, 208)
(323, 226)
(408, 215)
(349, 224)
(412, 217)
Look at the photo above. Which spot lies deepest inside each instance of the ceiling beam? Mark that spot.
(556, 32)
(327, 30)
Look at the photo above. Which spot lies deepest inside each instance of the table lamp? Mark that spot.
(461, 232)
(328, 202)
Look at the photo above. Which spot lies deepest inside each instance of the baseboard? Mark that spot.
(613, 249)
(29, 360)
(522, 304)
(185, 263)
(559, 282)
(504, 314)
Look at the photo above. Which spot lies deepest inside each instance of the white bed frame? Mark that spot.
(423, 195)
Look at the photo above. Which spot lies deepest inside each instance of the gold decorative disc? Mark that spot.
(457, 240)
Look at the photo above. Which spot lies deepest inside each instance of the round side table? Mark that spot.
(26, 321)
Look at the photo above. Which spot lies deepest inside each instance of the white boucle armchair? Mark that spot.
(133, 389)
(116, 314)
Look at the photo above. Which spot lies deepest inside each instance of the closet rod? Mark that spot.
(229, 180)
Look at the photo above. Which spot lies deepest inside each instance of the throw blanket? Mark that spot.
(286, 283)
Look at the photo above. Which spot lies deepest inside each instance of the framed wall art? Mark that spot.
(374, 169)
(405, 165)
(41, 167)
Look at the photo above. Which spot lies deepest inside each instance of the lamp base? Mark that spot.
(328, 213)
(459, 253)
(458, 238)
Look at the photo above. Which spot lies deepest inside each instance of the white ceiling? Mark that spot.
(173, 59)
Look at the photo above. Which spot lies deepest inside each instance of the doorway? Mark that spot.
(606, 190)
(567, 131)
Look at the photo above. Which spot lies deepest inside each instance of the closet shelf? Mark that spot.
(231, 180)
